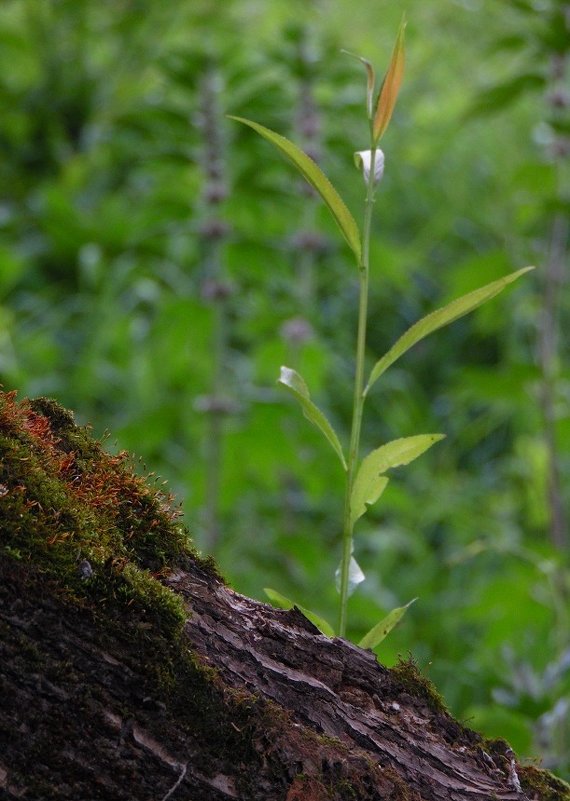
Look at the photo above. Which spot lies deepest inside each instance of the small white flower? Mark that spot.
(363, 159)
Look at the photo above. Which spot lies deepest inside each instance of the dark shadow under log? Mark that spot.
(129, 670)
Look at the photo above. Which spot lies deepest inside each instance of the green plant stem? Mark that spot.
(215, 432)
(358, 401)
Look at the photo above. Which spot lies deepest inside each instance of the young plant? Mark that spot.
(366, 479)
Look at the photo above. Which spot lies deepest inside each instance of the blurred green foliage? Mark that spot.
(116, 233)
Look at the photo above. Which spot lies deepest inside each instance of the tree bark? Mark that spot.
(107, 694)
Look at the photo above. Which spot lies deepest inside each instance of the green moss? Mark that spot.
(80, 526)
(410, 678)
(82, 519)
(542, 784)
(346, 790)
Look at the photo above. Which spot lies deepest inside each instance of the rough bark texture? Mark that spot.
(129, 670)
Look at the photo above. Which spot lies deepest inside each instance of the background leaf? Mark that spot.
(499, 96)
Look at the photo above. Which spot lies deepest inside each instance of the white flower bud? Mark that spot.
(363, 159)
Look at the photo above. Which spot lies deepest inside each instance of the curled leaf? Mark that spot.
(355, 576)
(363, 161)
(390, 86)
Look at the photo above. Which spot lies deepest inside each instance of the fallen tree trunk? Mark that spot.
(131, 671)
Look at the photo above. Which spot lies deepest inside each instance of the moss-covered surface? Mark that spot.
(538, 783)
(84, 537)
(78, 526)
(409, 677)
(81, 517)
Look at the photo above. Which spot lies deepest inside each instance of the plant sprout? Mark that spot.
(366, 478)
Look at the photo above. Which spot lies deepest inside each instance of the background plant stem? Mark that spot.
(548, 333)
(548, 355)
(216, 291)
(358, 402)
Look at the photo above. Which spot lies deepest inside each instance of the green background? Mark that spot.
(159, 262)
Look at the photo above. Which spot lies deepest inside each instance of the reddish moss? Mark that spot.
(81, 517)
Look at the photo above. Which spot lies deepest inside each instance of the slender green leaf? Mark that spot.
(437, 319)
(370, 482)
(285, 603)
(384, 627)
(295, 384)
(397, 453)
(318, 180)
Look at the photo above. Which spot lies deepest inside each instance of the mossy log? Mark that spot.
(130, 671)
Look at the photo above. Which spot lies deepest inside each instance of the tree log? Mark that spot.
(131, 671)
